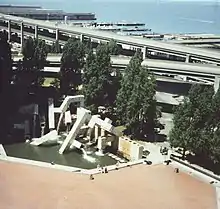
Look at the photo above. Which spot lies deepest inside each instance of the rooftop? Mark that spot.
(141, 186)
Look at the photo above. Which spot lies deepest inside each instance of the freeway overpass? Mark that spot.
(28, 34)
(51, 40)
(197, 41)
(144, 44)
(160, 66)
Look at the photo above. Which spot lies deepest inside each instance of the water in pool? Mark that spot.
(50, 153)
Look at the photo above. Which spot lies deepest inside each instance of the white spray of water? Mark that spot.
(87, 157)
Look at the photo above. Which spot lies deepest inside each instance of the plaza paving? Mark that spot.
(141, 186)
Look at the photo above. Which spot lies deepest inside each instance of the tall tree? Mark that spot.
(56, 48)
(191, 129)
(179, 136)
(72, 63)
(5, 78)
(97, 78)
(214, 129)
(90, 82)
(88, 45)
(34, 59)
(127, 84)
(34, 53)
(136, 104)
(113, 47)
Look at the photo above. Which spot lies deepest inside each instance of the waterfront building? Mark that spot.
(39, 13)
(123, 28)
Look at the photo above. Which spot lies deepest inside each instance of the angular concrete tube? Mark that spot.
(83, 115)
(51, 136)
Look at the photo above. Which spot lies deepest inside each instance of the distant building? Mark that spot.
(37, 12)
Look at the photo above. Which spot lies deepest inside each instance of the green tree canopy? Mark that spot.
(192, 122)
(98, 79)
(113, 47)
(34, 59)
(56, 48)
(136, 104)
(34, 53)
(72, 63)
(6, 104)
(127, 84)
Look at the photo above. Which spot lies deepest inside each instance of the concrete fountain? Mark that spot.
(83, 130)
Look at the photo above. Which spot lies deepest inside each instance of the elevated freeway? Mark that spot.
(197, 41)
(160, 66)
(144, 44)
(28, 34)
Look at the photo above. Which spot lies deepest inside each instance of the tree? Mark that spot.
(72, 63)
(97, 79)
(127, 84)
(141, 111)
(90, 82)
(88, 45)
(34, 59)
(35, 53)
(214, 124)
(6, 106)
(178, 136)
(113, 47)
(192, 130)
(56, 48)
(136, 104)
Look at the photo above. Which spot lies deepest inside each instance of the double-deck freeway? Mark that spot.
(169, 67)
(197, 41)
(151, 45)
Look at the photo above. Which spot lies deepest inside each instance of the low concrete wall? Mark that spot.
(115, 167)
(195, 168)
(129, 149)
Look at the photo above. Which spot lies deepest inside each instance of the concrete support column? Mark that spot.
(102, 132)
(35, 120)
(42, 125)
(59, 122)
(216, 83)
(188, 58)
(96, 132)
(22, 35)
(36, 32)
(26, 129)
(9, 30)
(144, 52)
(81, 37)
(51, 116)
(82, 103)
(57, 35)
(100, 146)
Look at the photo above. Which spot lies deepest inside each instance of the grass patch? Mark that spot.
(48, 81)
(120, 130)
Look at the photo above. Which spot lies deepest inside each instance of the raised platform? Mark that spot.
(128, 188)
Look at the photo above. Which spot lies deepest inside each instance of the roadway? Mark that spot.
(158, 65)
(198, 41)
(49, 39)
(168, 48)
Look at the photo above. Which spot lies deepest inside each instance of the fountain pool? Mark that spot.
(49, 153)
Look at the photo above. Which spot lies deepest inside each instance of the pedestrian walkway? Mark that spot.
(155, 156)
(218, 197)
(116, 158)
